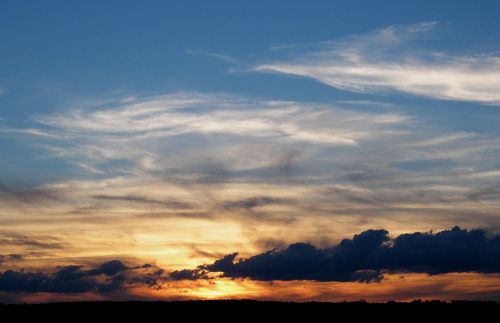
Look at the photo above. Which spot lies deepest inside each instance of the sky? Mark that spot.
(277, 150)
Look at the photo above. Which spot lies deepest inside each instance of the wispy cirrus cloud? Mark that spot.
(222, 57)
(141, 130)
(183, 113)
(391, 59)
(237, 169)
(325, 153)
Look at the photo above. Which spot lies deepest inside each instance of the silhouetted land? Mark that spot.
(238, 310)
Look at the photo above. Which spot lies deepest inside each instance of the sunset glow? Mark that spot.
(179, 150)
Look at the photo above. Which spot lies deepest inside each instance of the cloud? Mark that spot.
(365, 258)
(188, 133)
(226, 134)
(142, 199)
(11, 239)
(195, 113)
(392, 59)
(107, 277)
(188, 274)
(109, 268)
(68, 279)
(368, 257)
(31, 195)
(238, 166)
(221, 57)
(488, 193)
(253, 202)
(13, 257)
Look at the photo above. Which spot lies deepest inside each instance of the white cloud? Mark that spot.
(151, 130)
(206, 136)
(387, 60)
(218, 56)
(148, 161)
(30, 131)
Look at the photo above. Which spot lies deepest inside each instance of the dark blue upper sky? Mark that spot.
(57, 54)
(54, 49)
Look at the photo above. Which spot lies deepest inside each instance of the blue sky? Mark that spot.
(55, 53)
(88, 48)
(125, 123)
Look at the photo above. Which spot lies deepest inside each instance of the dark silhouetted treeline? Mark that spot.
(243, 310)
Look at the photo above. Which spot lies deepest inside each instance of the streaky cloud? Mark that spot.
(142, 199)
(389, 60)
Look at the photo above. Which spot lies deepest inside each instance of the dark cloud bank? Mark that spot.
(364, 258)
(107, 277)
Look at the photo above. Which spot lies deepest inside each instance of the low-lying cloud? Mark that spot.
(365, 258)
(107, 277)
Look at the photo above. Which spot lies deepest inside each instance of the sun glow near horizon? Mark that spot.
(195, 154)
